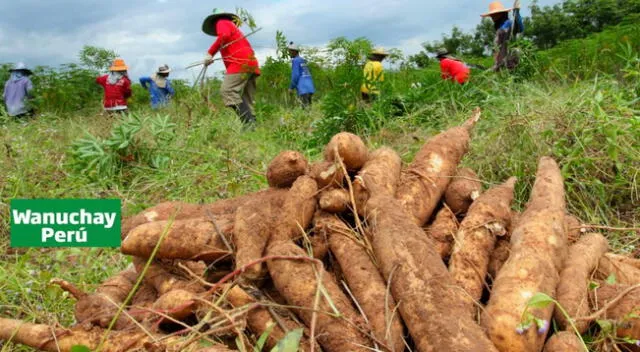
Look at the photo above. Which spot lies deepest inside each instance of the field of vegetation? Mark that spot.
(577, 101)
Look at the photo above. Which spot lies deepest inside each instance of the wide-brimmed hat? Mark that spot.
(208, 26)
(442, 52)
(118, 65)
(293, 47)
(164, 69)
(20, 66)
(379, 51)
(495, 7)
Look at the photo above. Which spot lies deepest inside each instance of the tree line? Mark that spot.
(545, 27)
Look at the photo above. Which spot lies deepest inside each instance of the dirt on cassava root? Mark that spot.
(423, 183)
(487, 219)
(538, 250)
(573, 289)
(463, 190)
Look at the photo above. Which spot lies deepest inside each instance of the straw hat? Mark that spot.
(379, 51)
(164, 69)
(208, 26)
(495, 7)
(442, 52)
(20, 66)
(293, 47)
(118, 65)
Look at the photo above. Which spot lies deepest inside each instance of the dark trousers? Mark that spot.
(368, 98)
(306, 99)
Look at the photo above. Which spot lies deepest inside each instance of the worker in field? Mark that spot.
(506, 29)
(301, 79)
(373, 75)
(452, 68)
(17, 91)
(117, 87)
(239, 84)
(159, 86)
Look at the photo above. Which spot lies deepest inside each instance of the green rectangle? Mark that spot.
(65, 222)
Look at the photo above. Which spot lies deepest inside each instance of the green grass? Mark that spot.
(591, 126)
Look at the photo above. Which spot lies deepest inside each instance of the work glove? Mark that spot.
(516, 5)
(208, 59)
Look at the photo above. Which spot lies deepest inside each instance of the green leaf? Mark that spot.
(593, 285)
(611, 280)
(263, 338)
(540, 300)
(80, 348)
(605, 325)
(290, 342)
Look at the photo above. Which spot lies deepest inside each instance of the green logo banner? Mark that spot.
(65, 223)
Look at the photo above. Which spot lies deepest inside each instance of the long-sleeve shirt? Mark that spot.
(115, 95)
(373, 75)
(503, 35)
(454, 70)
(159, 96)
(301, 79)
(16, 93)
(236, 52)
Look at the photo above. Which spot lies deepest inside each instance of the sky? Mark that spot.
(149, 33)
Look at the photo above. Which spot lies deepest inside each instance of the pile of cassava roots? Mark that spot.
(358, 252)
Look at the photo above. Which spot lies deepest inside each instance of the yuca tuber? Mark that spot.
(620, 271)
(162, 211)
(429, 302)
(145, 296)
(378, 176)
(327, 174)
(486, 219)
(298, 209)
(181, 210)
(634, 262)
(442, 231)
(427, 177)
(564, 341)
(193, 239)
(335, 200)
(319, 245)
(538, 249)
(365, 281)
(42, 337)
(177, 304)
(573, 288)
(164, 278)
(572, 228)
(464, 188)
(498, 257)
(350, 148)
(100, 307)
(297, 281)
(253, 224)
(285, 168)
(624, 311)
(515, 217)
(259, 319)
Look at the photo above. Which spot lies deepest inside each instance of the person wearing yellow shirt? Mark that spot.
(373, 75)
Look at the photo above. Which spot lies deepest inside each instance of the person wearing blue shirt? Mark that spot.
(301, 79)
(506, 29)
(159, 87)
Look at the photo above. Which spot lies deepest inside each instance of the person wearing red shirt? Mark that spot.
(451, 68)
(117, 87)
(239, 84)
